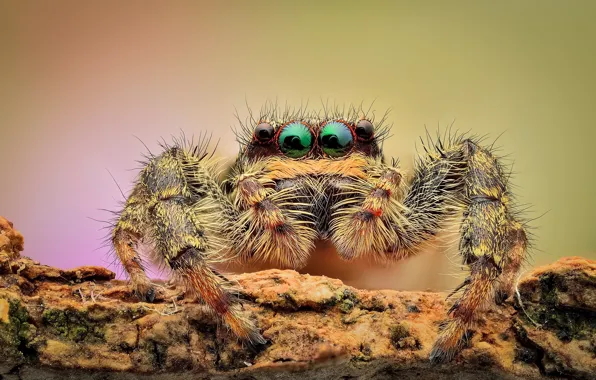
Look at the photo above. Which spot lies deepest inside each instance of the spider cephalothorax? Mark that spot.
(300, 177)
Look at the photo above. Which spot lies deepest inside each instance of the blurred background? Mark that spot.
(78, 80)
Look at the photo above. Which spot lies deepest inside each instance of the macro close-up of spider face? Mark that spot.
(300, 177)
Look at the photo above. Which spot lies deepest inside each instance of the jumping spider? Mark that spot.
(304, 176)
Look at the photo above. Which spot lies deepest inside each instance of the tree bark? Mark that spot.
(83, 324)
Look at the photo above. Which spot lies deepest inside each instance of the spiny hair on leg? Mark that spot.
(196, 156)
(492, 243)
(442, 166)
(221, 294)
(478, 294)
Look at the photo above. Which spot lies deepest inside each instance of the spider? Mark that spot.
(301, 176)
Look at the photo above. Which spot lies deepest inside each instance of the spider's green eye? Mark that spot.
(295, 140)
(336, 139)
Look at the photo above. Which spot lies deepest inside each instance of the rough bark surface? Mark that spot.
(83, 324)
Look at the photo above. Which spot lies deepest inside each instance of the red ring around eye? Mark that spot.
(336, 138)
(295, 139)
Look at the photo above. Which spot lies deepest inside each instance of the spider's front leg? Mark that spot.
(178, 207)
(492, 242)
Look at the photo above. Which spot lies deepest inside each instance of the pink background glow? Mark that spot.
(79, 79)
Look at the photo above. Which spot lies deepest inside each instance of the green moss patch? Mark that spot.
(17, 337)
(72, 325)
(401, 338)
(568, 323)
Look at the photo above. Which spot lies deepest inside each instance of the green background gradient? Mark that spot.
(79, 79)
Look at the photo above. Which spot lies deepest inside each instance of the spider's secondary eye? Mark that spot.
(264, 132)
(336, 139)
(364, 130)
(295, 140)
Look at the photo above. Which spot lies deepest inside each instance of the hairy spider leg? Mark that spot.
(492, 244)
(127, 235)
(188, 219)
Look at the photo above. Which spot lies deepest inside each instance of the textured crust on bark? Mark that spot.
(82, 324)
